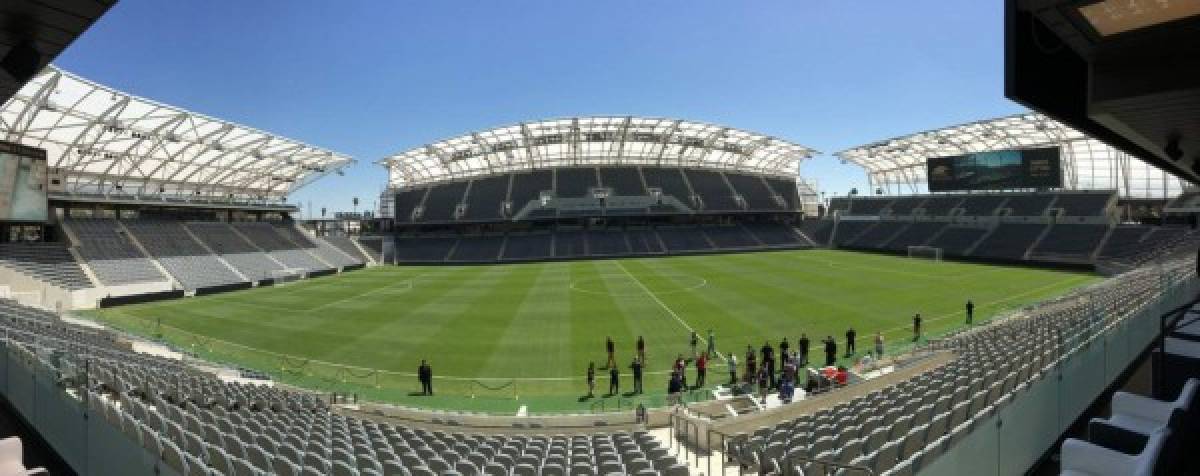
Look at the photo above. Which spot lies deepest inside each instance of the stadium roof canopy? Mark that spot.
(114, 143)
(897, 165)
(590, 141)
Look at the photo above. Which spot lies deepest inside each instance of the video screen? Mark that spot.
(23, 183)
(996, 170)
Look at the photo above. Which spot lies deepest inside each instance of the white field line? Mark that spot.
(664, 305)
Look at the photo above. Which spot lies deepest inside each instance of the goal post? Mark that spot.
(927, 252)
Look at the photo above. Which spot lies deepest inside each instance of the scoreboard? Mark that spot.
(23, 184)
(996, 170)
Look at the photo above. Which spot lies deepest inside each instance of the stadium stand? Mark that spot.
(111, 255)
(754, 191)
(785, 189)
(575, 182)
(570, 243)
(904, 428)
(443, 201)
(347, 246)
(847, 231)
(902, 206)
(49, 262)
(272, 239)
(819, 231)
(1070, 242)
(712, 189)
(426, 248)
(187, 260)
(916, 234)
(235, 250)
(1028, 205)
(623, 180)
(941, 205)
(477, 249)
(774, 234)
(330, 254)
(408, 201)
(645, 241)
(1085, 203)
(608, 243)
(670, 181)
(957, 240)
(868, 205)
(982, 205)
(879, 235)
(1009, 241)
(730, 237)
(528, 186)
(485, 198)
(1123, 240)
(684, 239)
(528, 246)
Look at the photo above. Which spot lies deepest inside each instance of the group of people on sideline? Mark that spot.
(760, 367)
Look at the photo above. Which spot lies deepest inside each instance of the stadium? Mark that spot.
(606, 294)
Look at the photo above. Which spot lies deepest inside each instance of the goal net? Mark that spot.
(285, 276)
(926, 252)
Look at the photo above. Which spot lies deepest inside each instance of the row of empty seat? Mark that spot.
(191, 423)
(485, 198)
(1071, 204)
(580, 243)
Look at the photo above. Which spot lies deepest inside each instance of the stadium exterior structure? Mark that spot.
(148, 201)
(595, 186)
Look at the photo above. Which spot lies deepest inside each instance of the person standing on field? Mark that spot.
(611, 347)
(614, 382)
(701, 369)
(783, 352)
(591, 379)
(694, 341)
(732, 369)
(751, 368)
(712, 344)
(916, 327)
(425, 376)
(637, 375)
(641, 349)
(803, 343)
(878, 345)
(830, 351)
(970, 312)
(850, 347)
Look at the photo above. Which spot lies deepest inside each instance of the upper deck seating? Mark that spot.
(48, 262)
(1084, 204)
(982, 205)
(442, 201)
(941, 205)
(625, 181)
(670, 181)
(902, 206)
(785, 188)
(754, 191)
(486, 197)
(1028, 204)
(868, 206)
(575, 182)
(408, 200)
(712, 189)
(528, 187)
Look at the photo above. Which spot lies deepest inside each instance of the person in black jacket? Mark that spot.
(768, 360)
(783, 352)
(425, 376)
(614, 383)
(970, 312)
(803, 343)
(611, 347)
(830, 351)
(850, 347)
(637, 375)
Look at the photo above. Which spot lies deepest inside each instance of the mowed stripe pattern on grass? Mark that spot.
(548, 320)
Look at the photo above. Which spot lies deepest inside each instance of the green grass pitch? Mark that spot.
(502, 336)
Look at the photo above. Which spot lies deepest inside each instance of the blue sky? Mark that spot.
(370, 78)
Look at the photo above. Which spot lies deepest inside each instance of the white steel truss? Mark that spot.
(113, 143)
(595, 141)
(897, 165)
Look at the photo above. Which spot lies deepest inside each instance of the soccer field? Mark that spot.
(524, 333)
